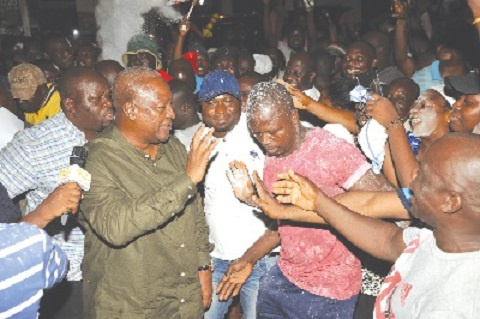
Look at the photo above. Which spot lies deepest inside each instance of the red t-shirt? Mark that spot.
(312, 257)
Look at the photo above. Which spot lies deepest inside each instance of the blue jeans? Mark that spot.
(278, 298)
(248, 293)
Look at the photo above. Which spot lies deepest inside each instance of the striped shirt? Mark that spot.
(32, 161)
(29, 263)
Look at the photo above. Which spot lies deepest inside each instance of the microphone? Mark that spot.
(75, 173)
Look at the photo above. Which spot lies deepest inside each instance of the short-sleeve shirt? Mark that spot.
(426, 282)
(312, 257)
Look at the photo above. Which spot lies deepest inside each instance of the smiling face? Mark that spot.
(155, 115)
(203, 64)
(360, 59)
(465, 113)
(296, 38)
(428, 114)
(299, 72)
(222, 113)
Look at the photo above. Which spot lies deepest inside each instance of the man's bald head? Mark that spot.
(269, 99)
(447, 188)
(462, 171)
(74, 80)
(133, 83)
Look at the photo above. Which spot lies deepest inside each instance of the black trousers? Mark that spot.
(63, 301)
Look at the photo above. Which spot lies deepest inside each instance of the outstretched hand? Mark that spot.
(264, 201)
(300, 99)
(199, 154)
(236, 275)
(241, 183)
(295, 189)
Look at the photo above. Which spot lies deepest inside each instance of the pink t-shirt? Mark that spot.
(312, 257)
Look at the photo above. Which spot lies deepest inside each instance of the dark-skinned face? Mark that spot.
(358, 60)
(222, 113)
(155, 112)
(227, 63)
(180, 110)
(185, 75)
(245, 65)
(86, 56)
(297, 74)
(276, 133)
(246, 85)
(143, 59)
(92, 104)
(203, 64)
(401, 95)
(465, 113)
(296, 39)
(60, 53)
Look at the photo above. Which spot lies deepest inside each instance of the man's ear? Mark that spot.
(374, 63)
(69, 106)
(452, 203)
(130, 110)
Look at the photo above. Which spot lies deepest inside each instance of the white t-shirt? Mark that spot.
(185, 136)
(10, 125)
(234, 226)
(428, 283)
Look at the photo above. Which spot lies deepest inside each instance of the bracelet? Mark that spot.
(395, 123)
(476, 21)
(206, 267)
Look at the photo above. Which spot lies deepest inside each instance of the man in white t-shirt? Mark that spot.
(234, 226)
(436, 271)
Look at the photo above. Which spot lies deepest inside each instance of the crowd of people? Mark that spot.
(327, 172)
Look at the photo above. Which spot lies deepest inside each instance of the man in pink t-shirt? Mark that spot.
(317, 276)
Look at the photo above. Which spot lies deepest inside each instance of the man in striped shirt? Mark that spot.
(30, 262)
(33, 159)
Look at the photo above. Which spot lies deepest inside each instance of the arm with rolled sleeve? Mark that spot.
(118, 218)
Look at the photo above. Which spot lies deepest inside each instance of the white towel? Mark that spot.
(263, 63)
(372, 139)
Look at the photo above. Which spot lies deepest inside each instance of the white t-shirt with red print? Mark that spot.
(428, 283)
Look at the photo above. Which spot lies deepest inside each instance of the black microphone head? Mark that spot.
(79, 156)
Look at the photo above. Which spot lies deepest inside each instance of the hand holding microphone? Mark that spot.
(75, 174)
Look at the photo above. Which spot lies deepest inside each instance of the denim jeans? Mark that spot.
(248, 293)
(278, 298)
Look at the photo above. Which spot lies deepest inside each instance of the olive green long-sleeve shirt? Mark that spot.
(146, 233)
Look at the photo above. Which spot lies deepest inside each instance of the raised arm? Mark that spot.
(406, 164)
(380, 239)
(311, 30)
(183, 28)
(268, 32)
(323, 111)
(405, 63)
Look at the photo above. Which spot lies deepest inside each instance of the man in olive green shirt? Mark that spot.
(146, 245)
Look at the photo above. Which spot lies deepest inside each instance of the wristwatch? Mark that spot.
(206, 267)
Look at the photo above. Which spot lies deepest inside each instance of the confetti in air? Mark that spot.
(119, 20)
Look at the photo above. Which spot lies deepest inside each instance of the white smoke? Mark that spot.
(119, 20)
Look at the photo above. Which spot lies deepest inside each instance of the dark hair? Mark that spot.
(340, 94)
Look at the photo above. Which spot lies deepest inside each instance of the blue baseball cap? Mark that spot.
(217, 83)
